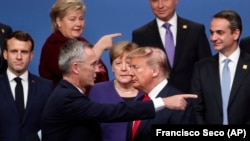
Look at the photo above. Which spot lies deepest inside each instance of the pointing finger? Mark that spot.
(115, 35)
(185, 96)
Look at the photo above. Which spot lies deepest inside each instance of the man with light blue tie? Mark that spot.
(222, 81)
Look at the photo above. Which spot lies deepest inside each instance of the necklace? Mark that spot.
(129, 91)
(123, 91)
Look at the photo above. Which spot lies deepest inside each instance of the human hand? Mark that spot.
(177, 102)
(106, 41)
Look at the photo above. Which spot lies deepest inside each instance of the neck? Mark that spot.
(124, 88)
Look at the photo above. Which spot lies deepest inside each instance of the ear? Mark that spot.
(5, 54)
(236, 34)
(58, 22)
(75, 68)
(112, 67)
(155, 71)
(31, 55)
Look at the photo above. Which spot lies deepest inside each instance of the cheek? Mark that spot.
(139, 76)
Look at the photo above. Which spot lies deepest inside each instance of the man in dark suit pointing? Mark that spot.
(69, 115)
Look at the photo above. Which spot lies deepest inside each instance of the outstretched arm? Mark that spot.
(105, 42)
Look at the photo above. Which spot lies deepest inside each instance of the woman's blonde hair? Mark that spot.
(61, 7)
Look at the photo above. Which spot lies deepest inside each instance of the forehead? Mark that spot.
(123, 55)
(137, 60)
(75, 12)
(13, 43)
(219, 23)
(89, 54)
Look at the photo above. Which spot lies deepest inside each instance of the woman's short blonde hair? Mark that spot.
(62, 7)
(120, 48)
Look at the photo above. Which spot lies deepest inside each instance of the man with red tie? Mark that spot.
(149, 70)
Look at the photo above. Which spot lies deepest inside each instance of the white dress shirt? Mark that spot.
(24, 81)
(173, 28)
(234, 57)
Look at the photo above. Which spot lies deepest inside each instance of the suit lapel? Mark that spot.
(31, 96)
(146, 123)
(180, 39)
(241, 71)
(155, 34)
(8, 94)
(215, 83)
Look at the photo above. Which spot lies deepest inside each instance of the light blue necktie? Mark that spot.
(225, 89)
(169, 44)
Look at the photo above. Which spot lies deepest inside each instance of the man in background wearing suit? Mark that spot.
(5, 30)
(245, 44)
(190, 43)
(149, 70)
(21, 121)
(217, 102)
(69, 114)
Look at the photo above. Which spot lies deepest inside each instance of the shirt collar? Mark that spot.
(172, 21)
(11, 75)
(234, 57)
(157, 89)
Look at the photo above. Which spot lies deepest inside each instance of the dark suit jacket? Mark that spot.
(206, 83)
(11, 129)
(191, 45)
(70, 116)
(5, 30)
(245, 44)
(165, 116)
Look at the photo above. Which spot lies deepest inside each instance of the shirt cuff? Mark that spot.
(158, 104)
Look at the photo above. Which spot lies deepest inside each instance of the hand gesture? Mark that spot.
(105, 42)
(177, 102)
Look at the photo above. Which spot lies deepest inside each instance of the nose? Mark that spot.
(160, 4)
(97, 69)
(130, 72)
(124, 66)
(79, 22)
(19, 55)
(213, 36)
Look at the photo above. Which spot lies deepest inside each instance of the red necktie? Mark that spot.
(137, 122)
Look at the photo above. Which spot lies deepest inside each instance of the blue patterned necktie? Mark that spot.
(225, 89)
(169, 44)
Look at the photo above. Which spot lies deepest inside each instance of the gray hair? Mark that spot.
(72, 50)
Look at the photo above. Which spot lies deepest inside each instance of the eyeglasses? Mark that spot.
(93, 65)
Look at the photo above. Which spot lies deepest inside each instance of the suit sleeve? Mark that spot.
(204, 47)
(196, 89)
(82, 109)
